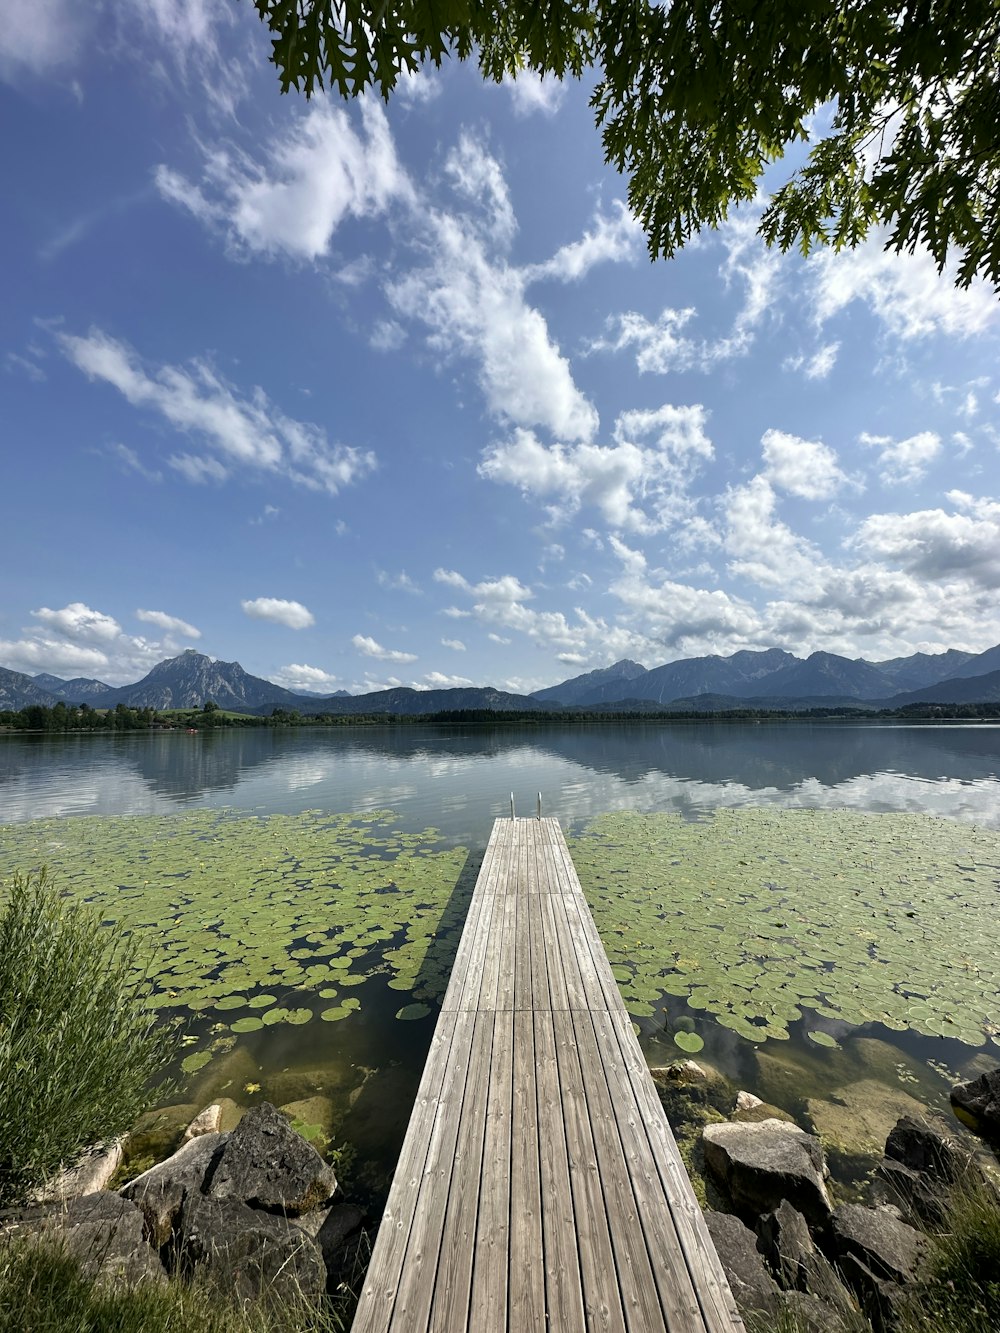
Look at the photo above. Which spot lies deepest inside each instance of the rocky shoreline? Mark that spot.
(252, 1210)
(792, 1251)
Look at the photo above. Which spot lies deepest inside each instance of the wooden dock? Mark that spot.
(539, 1187)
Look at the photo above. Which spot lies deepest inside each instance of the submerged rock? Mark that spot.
(853, 1125)
(762, 1164)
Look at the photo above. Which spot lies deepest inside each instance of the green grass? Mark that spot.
(78, 1048)
(43, 1291)
(963, 1282)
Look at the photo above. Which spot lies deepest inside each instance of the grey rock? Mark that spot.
(977, 1104)
(102, 1231)
(208, 1121)
(161, 1191)
(265, 1164)
(761, 1164)
(919, 1199)
(812, 1315)
(330, 1228)
(889, 1248)
(788, 1247)
(754, 1289)
(87, 1176)
(247, 1254)
(927, 1146)
(746, 1101)
(886, 1304)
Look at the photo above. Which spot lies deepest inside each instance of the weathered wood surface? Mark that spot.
(539, 1187)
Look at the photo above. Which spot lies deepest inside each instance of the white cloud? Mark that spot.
(77, 621)
(131, 462)
(817, 366)
(497, 638)
(169, 624)
(531, 93)
(473, 303)
(803, 467)
(387, 336)
(37, 36)
(905, 292)
(246, 431)
(400, 582)
(439, 681)
(371, 648)
(279, 612)
(456, 645)
(292, 202)
(305, 679)
(906, 460)
(939, 546)
(661, 347)
(614, 240)
(638, 482)
(478, 178)
(762, 548)
(76, 640)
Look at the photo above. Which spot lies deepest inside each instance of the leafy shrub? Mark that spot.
(78, 1046)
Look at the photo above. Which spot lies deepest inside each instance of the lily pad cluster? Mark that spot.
(760, 917)
(241, 915)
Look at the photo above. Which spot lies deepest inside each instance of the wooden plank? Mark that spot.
(601, 1298)
(522, 995)
(555, 972)
(576, 990)
(378, 1295)
(491, 1269)
(563, 1284)
(673, 1281)
(507, 956)
(540, 996)
(452, 1287)
(527, 1271)
(463, 988)
(703, 1263)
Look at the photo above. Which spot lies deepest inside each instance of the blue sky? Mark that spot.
(362, 396)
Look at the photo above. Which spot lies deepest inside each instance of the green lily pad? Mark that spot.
(688, 1041)
(409, 1012)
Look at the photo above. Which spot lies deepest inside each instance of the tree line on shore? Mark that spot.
(63, 717)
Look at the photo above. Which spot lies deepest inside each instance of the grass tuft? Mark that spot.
(78, 1048)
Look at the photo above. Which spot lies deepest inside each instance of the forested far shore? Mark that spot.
(62, 717)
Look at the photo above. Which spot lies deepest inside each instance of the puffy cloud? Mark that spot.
(246, 431)
(638, 482)
(39, 35)
(456, 645)
(497, 638)
(305, 679)
(473, 303)
(532, 93)
(661, 346)
(762, 548)
(905, 292)
(803, 467)
(904, 460)
(292, 202)
(279, 612)
(169, 624)
(371, 648)
(58, 657)
(613, 239)
(437, 680)
(939, 546)
(77, 621)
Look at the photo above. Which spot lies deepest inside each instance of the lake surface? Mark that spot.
(452, 782)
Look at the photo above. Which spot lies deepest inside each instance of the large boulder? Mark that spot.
(87, 1176)
(891, 1249)
(161, 1191)
(247, 1254)
(265, 1164)
(977, 1104)
(924, 1164)
(762, 1164)
(102, 1231)
(330, 1228)
(788, 1247)
(754, 1289)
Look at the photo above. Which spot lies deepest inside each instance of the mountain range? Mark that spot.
(769, 678)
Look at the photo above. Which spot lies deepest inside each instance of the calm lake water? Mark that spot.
(458, 781)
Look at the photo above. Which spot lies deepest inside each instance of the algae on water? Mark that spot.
(241, 915)
(755, 915)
